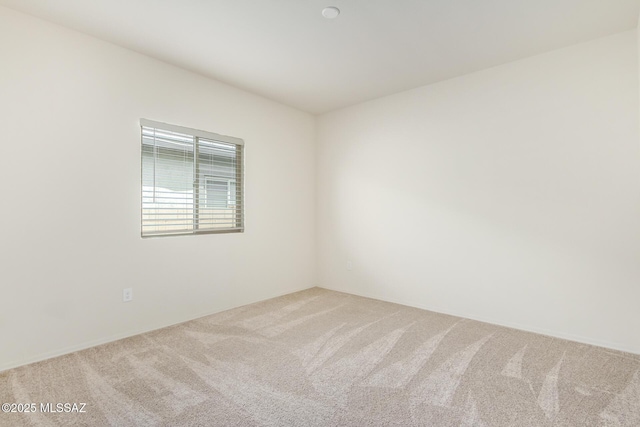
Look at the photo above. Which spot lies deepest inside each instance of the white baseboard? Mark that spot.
(526, 328)
(105, 340)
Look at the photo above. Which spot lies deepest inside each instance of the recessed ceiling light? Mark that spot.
(330, 12)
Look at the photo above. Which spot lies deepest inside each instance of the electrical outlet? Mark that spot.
(127, 294)
(349, 265)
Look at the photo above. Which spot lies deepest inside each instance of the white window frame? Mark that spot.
(239, 179)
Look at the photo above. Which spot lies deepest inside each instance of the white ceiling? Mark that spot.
(285, 50)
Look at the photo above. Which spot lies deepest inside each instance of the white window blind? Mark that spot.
(191, 181)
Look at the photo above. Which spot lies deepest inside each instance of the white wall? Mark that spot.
(510, 195)
(70, 173)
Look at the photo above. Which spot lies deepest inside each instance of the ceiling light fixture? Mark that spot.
(330, 12)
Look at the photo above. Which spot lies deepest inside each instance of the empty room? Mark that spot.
(320, 213)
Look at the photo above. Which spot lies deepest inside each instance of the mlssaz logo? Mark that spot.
(63, 407)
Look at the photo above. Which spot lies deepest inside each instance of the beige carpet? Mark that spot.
(323, 358)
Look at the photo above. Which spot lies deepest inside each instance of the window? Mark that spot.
(221, 192)
(191, 181)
